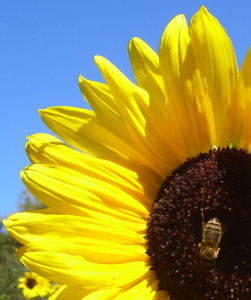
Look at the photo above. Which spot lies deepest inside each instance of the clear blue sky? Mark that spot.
(45, 45)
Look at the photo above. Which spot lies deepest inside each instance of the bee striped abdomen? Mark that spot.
(212, 232)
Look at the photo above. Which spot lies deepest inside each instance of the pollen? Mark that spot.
(211, 185)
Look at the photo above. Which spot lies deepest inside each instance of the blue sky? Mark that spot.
(45, 45)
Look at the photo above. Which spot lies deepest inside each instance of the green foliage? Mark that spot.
(10, 269)
(28, 202)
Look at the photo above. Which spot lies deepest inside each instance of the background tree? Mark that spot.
(28, 202)
(11, 269)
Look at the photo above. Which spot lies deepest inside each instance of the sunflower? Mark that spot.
(156, 202)
(34, 285)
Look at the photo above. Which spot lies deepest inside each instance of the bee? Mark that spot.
(212, 232)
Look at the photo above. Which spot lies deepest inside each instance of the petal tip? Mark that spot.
(98, 58)
(134, 44)
(203, 8)
(40, 111)
(80, 78)
(203, 12)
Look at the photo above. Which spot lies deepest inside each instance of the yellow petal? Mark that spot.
(216, 62)
(241, 107)
(145, 64)
(144, 290)
(46, 149)
(245, 77)
(69, 191)
(100, 98)
(99, 137)
(87, 248)
(66, 293)
(189, 108)
(81, 129)
(78, 235)
(127, 95)
(140, 121)
(75, 270)
(36, 226)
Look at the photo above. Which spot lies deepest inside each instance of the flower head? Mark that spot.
(130, 214)
(34, 285)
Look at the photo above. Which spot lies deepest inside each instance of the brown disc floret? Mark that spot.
(212, 185)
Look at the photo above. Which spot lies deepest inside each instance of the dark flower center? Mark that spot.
(199, 229)
(31, 282)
